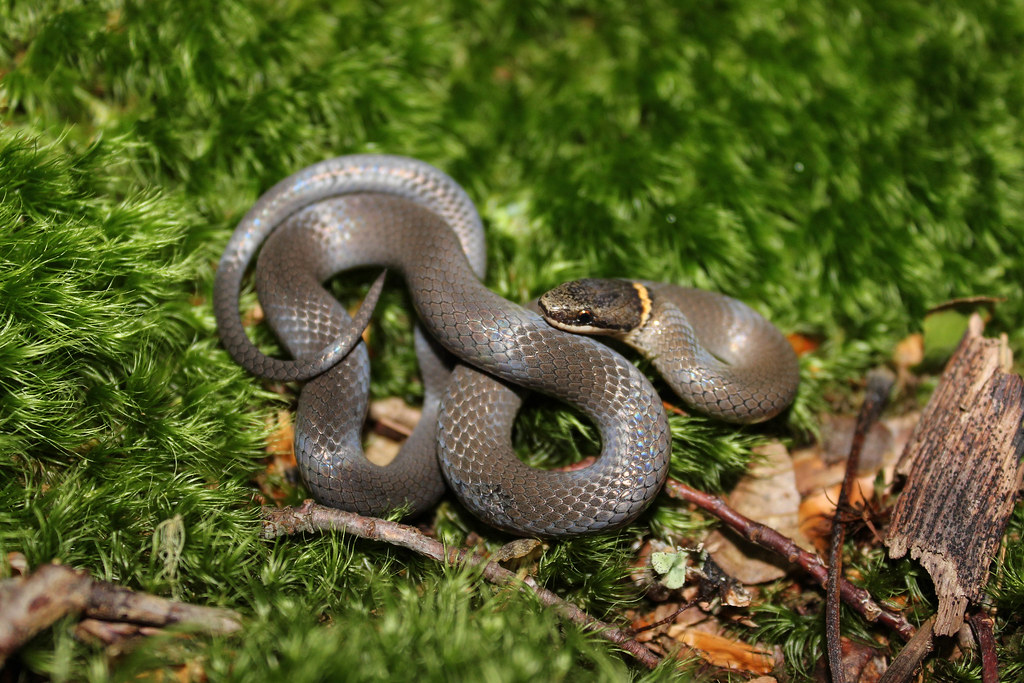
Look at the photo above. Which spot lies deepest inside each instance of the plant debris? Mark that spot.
(768, 494)
(32, 603)
(963, 467)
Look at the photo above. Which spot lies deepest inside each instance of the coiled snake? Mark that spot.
(408, 216)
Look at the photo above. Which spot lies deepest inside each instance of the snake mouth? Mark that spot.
(571, 317)
(575, 329)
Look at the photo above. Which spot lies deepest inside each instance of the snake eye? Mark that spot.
(585, 317)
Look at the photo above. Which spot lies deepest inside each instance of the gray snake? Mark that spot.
(408, 216)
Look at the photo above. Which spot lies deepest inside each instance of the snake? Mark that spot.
(478, 352)
(715, 352)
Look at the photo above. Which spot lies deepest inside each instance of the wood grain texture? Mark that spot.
(963, 473)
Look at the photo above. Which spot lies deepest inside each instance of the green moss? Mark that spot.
(842, 167)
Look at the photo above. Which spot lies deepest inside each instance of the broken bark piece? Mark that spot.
(963, 472)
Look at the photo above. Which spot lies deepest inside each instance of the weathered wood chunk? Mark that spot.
(963, 473)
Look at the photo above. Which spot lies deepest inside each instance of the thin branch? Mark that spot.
(770, 539)
(670, 618)
(877, 394)
(31, 604)
(116, 637)
(982, 625)
(910, 657)
(310, 517)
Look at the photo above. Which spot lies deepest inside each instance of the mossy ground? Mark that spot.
(841, 166)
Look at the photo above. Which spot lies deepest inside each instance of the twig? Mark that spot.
(312, 517)
(670, 618)
(30, 604)
(878, 386)
(911, 656)
(982, 624)
(116, 637)
(770, 539)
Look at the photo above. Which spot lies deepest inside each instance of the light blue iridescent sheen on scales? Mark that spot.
(408, 216)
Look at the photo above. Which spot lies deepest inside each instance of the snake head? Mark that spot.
(597, 306)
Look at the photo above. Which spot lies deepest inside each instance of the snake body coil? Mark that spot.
(331, 221)
(718, 354)
(406, 215)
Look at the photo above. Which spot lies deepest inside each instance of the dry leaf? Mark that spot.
(281, 441)
(861, 663)
(280, 446)
(394, 420)
(818, 509)
(724, 652)
(687, 617)
(824, 464)
(516, 550)
(380, 450)
(909, 351)
(253, 316)
(18, 564)
(766, 494)
(395, 414)
(803, 344)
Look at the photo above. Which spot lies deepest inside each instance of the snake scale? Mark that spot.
(408, 216)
